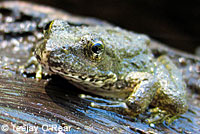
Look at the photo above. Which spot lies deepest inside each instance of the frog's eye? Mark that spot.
(97, 48)
(48, 26)
(93, 48)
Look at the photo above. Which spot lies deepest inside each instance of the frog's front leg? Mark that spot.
(144, 86)
(35, 52)
(38, 67)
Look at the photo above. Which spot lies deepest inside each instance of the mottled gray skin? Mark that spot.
(123, 68)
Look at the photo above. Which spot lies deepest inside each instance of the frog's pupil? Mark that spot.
(96, 48)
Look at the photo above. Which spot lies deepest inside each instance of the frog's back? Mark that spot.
(131, 48)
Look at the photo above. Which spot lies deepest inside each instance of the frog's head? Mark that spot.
(82, 53)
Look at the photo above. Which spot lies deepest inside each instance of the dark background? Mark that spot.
(174, 23)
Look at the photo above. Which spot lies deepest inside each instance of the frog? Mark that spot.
(113, 63)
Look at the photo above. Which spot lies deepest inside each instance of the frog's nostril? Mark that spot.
(65, 51)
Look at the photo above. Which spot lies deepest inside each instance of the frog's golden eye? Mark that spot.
(48, 26)
(93, 48)
(97, 48)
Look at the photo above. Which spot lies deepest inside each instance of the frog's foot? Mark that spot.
(159, 116)
(32, 61)
(109, 105)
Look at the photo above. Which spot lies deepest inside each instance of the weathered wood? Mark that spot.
(53, 101)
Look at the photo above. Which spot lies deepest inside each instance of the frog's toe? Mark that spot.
(159, 116)
(117, 107)
(38, 74)
(21, 69)
(156, 118)
(32, 61)
(109, 105)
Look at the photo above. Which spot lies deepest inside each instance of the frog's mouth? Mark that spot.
(88, 80)
(99, 85)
